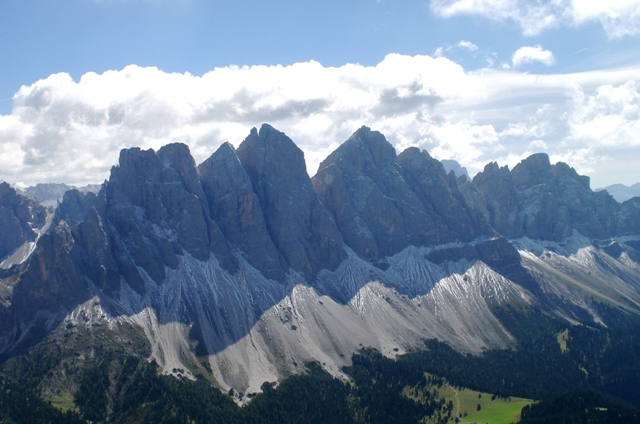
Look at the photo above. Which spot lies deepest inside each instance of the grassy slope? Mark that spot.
(498, 411)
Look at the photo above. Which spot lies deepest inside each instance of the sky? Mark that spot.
(471, 80)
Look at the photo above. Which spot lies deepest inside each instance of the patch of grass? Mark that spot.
(64, 402)
(497, 411)
(562, 340)
(203, 369)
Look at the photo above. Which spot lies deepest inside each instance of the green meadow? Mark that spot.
(497, 411)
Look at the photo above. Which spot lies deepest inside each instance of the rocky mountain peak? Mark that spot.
(73, 207)
(365, 150)
(621, 192)
(177, 157)
(383, 203)
(301, 228)
(263, 152)
(439, 193)
(376, 144)
(223, 158)
(236, 208)
(458, 170)
(19, 217)
(533, 170)
(543, 201)
(156, 202)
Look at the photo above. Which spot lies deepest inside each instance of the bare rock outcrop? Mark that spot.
(19, 217)
(301, 228)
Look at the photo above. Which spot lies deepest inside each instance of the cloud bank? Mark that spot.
(619, 18)
(61, 130)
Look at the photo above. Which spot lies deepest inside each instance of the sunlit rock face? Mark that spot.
(244, 268)
(543, 201)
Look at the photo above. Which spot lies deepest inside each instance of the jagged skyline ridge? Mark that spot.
(162, 253)
(61, 130)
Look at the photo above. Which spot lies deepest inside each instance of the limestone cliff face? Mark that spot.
(384, 203)
(441, 197)
(157, 206)
(301, 228)
(236, 208)
(19, 217)
(361, 183)
(628, 217)
(546, 202)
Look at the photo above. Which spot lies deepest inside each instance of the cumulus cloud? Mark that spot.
(610, 117)
(618, 18)
(468, 45)
(61, 130)
(528, 54)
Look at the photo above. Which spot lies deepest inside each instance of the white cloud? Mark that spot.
(610, 117)
(538, 145)
(72, 131)
(528, 54)
(468, 45)
(619, 18)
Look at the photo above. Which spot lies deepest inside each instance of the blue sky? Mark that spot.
(472, 80)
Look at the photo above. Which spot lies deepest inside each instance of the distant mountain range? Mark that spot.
(49, 194)
(621, 192)
(242, 269)
(452, 165)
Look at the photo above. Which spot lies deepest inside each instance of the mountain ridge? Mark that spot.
(243, 267)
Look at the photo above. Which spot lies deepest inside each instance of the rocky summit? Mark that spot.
(243, 268)
(20, 217)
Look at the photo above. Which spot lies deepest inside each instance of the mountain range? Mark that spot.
(243, 268)
(621, 192)
(49, 194)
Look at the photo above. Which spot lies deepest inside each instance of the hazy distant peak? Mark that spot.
(458, 170)
(49, 194)
(621, 192)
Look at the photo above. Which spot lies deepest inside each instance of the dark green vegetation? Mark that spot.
(131, 391)
(122, 388)
(605, 360)
(578, 408)
(377, 393)
(22, 406)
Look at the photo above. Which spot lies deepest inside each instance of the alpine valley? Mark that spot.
(241, 290)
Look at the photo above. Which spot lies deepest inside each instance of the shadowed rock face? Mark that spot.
(361, 183)
(19, 216)
(236, 208)
(301, 228)
(157, 206)
(441, 197)
(73, 207)
(628, 218)
(384, 203)
(156, 209)
(543, 201)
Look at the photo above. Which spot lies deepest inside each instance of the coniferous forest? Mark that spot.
(596, 378)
